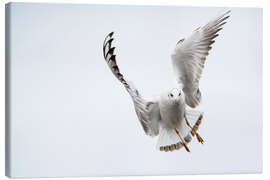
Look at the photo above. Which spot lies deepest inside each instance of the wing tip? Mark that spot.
(111, 60)
(228, 11)
(227, 14)
(111, 34)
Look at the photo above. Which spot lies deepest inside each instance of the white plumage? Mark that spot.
(168, 116)
(189, 57)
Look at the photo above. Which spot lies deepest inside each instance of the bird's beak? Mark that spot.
(177, 100)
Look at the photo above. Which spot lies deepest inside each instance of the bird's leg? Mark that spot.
(195, 128)
(187, 122)
(182, 140)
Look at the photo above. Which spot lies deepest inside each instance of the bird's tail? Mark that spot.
(169, 140)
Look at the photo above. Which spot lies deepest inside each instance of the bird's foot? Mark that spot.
(199, 138)
(186, 147)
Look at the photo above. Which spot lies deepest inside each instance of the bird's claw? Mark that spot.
(199, 138)
(186, 147)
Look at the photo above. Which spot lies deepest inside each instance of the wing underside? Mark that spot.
(189, 58)
(147, 111)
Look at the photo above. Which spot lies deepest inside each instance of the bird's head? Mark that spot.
(174, 96)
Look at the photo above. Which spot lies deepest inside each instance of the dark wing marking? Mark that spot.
(147, 111)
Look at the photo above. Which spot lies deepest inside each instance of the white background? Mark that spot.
(66, 106)
(134, 76)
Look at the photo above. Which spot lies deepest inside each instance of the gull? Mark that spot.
(169, 115)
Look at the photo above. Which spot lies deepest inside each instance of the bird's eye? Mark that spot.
(179, 94)
(171, 94)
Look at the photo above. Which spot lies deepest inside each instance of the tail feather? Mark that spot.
(169, 141)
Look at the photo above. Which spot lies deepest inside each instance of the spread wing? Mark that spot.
(189, 57)
(147, 111)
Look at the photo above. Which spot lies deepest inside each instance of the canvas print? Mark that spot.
(117, 90)
(168, 113)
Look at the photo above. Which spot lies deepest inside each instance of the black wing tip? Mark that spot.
(110, 40)
(114, 67)
(227, 14)
(106, 41)
(105, 44)
(111, 50)
(111, 34)
(224, 16)
(112, 57)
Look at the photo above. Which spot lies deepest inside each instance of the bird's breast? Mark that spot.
(172, 116)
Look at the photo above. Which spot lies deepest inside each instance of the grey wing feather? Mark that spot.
(189, 57)
(147, 111)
